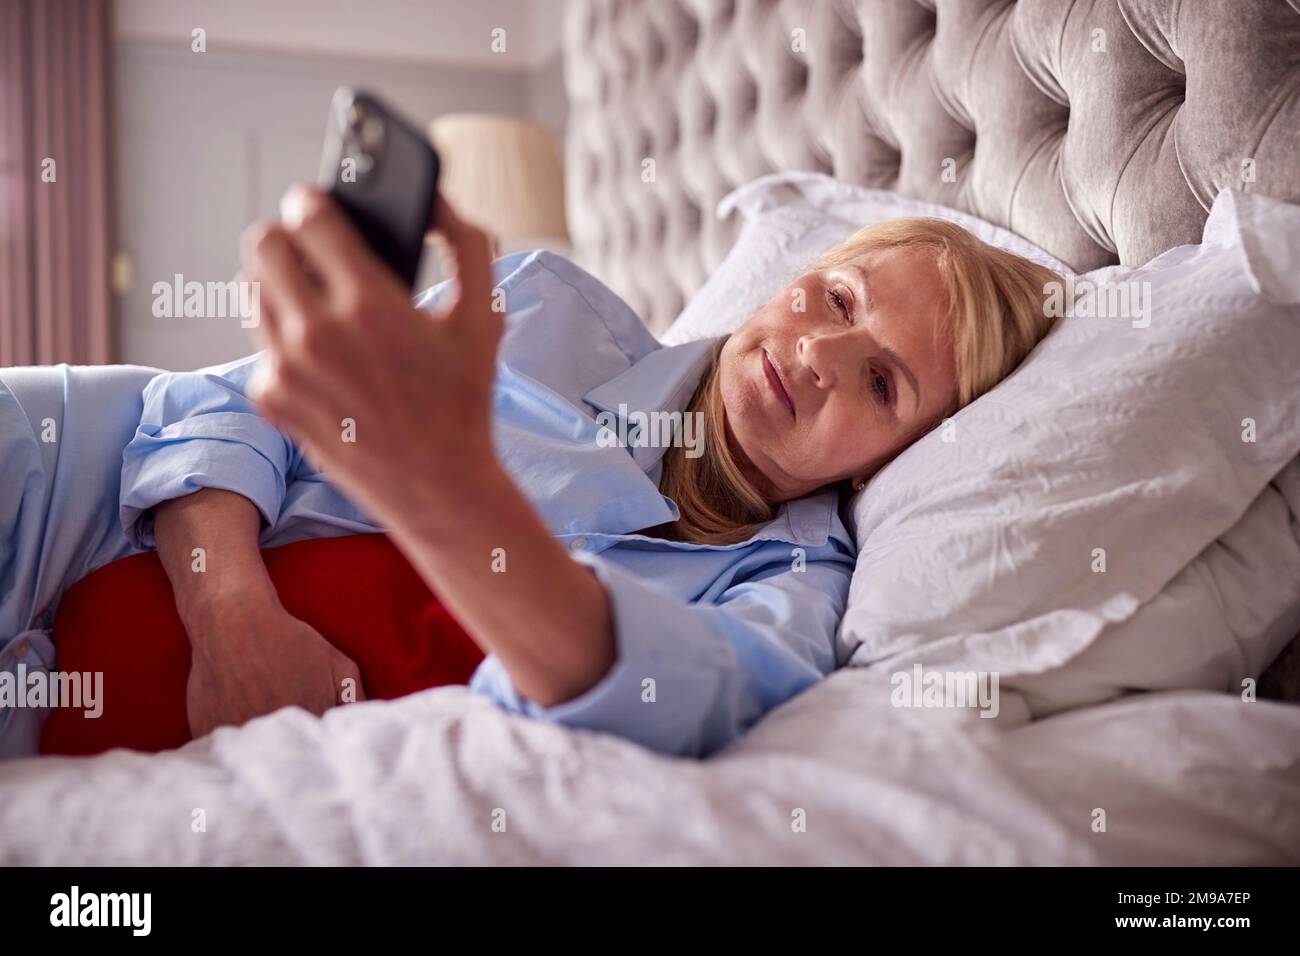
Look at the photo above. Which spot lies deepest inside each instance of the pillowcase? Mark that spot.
(1224, 618)
(788, 220)
(1073, 502)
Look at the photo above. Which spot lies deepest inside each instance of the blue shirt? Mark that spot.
(709, 638)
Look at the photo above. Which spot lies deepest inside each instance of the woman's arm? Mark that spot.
(345, 345)
(208, 543)
(545, 616)
(691, 677)
(249, 656)
(200, 430)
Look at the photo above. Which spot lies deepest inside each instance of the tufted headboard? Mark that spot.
(1099, 129)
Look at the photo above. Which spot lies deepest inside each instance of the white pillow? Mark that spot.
(788, 220)
(1226, 616)
(1120, 440)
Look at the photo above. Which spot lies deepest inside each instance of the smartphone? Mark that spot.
(384, 173)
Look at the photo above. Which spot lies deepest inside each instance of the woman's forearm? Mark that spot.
(545, 616)
(208, 543)
(249, 656)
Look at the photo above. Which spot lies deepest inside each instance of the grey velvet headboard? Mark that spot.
(1099, 129)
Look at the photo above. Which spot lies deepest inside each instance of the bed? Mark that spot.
(1100, 131)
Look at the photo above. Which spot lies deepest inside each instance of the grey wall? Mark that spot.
(207, 142)
(548, 102)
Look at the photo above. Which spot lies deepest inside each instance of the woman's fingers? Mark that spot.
(268, 253)
(471, 250)
(293, 383)
(267, 322)
(296, 401)
(297, 385)
(291, 397)
(345, 669)
(339, 257)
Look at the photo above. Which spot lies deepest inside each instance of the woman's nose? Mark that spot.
(817, 353)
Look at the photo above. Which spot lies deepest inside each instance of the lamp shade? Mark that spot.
(502, 173)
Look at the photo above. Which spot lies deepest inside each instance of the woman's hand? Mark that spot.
(248, 655)
(393, 403)
(251, 657)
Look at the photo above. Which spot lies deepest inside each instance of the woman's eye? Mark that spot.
(880, 384)
(840, 305)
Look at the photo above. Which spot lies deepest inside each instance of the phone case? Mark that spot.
(384, 173)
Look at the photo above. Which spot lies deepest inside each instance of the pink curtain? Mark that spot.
(55, 300)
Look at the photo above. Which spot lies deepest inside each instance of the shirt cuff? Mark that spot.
(224, 451)
(671, 671)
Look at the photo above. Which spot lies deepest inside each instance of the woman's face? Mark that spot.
(840, 372)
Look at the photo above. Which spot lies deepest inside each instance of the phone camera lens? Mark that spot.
(372, 132)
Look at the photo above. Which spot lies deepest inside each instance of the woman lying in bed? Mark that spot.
(670, 595)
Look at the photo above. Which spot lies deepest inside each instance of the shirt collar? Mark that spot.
(664, 380)
(813, 521)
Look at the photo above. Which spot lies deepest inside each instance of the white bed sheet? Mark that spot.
(1184, 777)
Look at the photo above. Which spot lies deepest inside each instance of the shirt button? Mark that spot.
(577, 544)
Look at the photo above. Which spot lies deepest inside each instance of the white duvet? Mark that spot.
(836, 776)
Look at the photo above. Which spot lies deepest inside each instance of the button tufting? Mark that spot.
(696, 67)
(656, 51)
(799, 73)
(672, 133)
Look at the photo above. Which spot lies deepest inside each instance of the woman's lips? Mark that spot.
(774, 379)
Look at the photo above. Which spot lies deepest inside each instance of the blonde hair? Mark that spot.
(717, 504)
(995, 317)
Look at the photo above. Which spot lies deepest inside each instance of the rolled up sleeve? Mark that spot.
(200, 430)
(689, 678)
